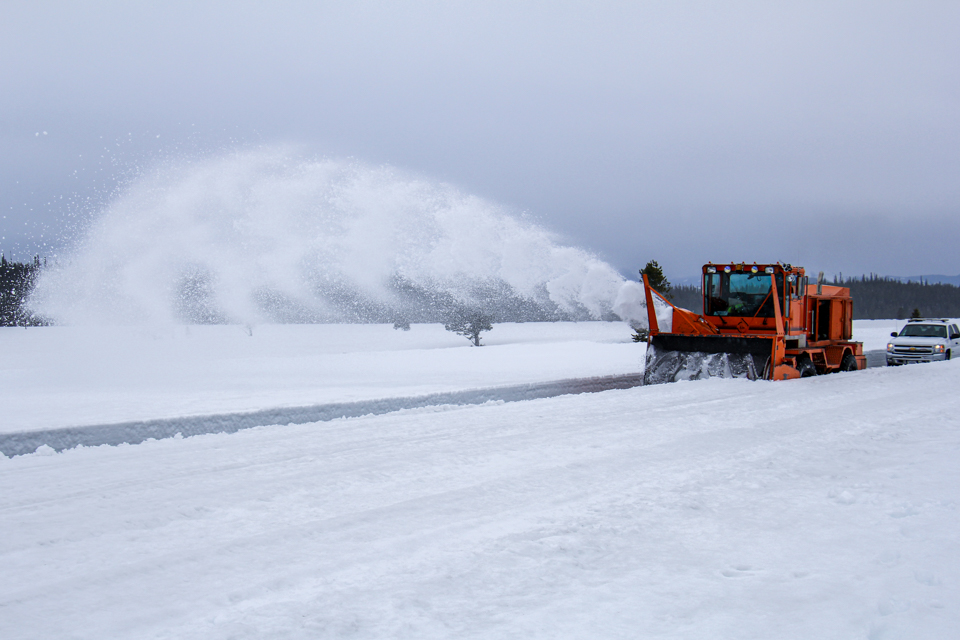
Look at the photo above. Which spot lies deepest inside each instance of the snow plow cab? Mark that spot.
(759, 321)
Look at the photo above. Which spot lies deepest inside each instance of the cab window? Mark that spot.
(740, 294)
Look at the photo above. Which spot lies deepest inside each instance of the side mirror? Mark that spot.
(894, 334)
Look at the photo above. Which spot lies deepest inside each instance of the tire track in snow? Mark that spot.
(134, 432)
(19, 443)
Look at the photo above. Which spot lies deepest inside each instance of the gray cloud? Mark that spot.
(825, 133)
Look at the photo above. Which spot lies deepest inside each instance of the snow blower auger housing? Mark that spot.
(759, 322)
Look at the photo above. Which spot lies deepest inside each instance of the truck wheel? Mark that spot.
(806, 368)
(946, 356)
(848, 363)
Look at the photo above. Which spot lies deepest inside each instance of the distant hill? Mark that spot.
(691, 281)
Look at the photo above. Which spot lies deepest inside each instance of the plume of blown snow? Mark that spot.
(631, 306)
(270, 235)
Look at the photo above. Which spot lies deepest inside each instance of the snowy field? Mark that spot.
(818, 508)
(73, 376)
(53, 377)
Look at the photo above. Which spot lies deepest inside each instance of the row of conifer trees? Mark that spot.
(875, 297)
(17, 280)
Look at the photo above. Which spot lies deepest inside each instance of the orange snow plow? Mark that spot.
(762, 322)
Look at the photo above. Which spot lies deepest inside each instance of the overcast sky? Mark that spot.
(826, 134)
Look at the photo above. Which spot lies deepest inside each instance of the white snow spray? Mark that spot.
(269, 235)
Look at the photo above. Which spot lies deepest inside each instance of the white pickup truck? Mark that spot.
(923, 340)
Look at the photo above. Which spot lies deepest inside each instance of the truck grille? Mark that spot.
(904, 350)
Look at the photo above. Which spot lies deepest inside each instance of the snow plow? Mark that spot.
(762, 322)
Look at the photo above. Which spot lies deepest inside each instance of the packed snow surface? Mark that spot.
(52, 377)
(55, 377)
(817, 508)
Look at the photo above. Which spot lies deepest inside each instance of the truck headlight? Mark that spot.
(889, 346)
(938, 348)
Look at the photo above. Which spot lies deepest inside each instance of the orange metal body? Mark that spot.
(809, 321)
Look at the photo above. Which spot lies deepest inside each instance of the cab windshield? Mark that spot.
(739, 294)
(924, 331)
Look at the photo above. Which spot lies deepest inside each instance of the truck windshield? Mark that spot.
(924, 331)
(739, 294)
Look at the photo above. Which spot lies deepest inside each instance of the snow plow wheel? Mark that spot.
(848, 363)
(806, 367)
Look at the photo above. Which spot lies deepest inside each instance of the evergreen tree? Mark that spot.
(660, 284)
(656, 279)
(468, 322)
(17, 280)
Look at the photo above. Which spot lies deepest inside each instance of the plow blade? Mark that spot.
(671, 358)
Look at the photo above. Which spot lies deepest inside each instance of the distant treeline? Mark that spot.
(687, 296)
(874, 297)
(879, 297)
(16, 282)
(195, 302)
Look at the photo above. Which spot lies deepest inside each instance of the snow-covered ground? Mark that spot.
(874, 334)
(817, 508)
(54, 377)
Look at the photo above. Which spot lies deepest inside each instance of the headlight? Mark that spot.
(727, 269)
(754, 269)
(711, 269)
(889, 346)
(768, 270)
(938, 348)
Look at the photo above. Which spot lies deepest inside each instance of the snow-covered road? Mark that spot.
(819, 508)
(19, 443)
